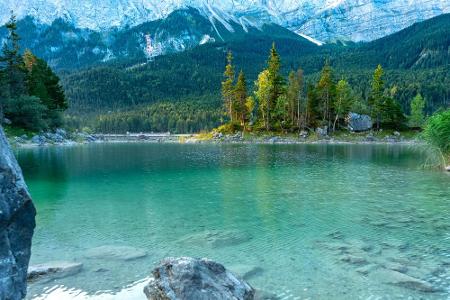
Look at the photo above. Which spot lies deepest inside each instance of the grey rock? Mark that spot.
(17, 222)
(247, 272)
(395, 267)
(55, 269)
(39, 140)
(354, 260)
(303, 134)
(217, 238)
(188, 278)
(358, 123)
(322, 131)
(447, 168)
(61, 132)
(364, 270)
(396, 133)
(7, 121)
(111, 252)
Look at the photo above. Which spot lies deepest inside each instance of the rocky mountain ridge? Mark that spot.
(324, 20)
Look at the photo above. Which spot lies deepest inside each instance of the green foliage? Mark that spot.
(376, 98)
(437, 132)
(326, 90)
(178, 117)
(228, 94)
(343, 102)
(417, 118)
(262, 93)
(240, 97)
(26, 112)
(294, 96)
(34, 98)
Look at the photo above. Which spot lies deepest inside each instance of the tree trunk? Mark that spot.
(335, 121)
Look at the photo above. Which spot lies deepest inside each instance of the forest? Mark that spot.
(30, 93)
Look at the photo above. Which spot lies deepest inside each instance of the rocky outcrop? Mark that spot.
(17, 222)
(54, 269)
(111, 252)
(190, 278)
(357, 122)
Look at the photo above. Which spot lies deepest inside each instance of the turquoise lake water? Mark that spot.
(299, 221)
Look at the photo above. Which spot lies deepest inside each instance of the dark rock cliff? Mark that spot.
(17, 222)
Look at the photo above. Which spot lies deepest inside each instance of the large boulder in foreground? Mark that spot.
(358, 123)
(188, 278)
(17, 224)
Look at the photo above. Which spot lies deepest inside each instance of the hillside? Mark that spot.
(416, 59)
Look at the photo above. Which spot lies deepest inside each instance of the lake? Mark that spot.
(298, 221)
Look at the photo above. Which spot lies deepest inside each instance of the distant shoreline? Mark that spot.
(349, 139)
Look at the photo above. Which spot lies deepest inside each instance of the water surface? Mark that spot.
(304, 221)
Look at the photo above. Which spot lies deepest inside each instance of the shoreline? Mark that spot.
(226, 140)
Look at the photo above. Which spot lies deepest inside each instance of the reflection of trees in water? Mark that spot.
(46, 173)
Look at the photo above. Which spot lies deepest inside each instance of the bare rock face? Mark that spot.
(357, 122)
(188, 278)
(17, 222)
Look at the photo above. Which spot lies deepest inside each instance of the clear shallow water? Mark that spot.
(307, 221)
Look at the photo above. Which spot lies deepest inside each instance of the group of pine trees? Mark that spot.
(284, 105)
(30, 94)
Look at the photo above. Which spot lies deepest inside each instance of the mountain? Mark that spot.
(416, 59)
(325, 20)
(65, 46)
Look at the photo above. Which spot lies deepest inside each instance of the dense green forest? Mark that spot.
(30, 93)
(415, 61)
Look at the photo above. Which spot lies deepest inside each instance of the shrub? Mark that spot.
(437, 133)
(27, 112)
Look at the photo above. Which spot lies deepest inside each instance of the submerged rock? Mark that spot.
(217, 238)
(55, 269)
(110, 252)
(188, 278)
(403, 280)
(247, 272)
(17, 222)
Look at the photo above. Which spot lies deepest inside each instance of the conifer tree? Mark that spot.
(417, 118)
(250, 107)
(275, 80)
(326, 93)
(263, 95)
(11, 66)
(294, 95)
(343, 101)
(376, 97)
(240, 96)
(312, 106)
(228, 86)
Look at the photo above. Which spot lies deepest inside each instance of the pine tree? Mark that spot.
(343, 101)
(42, 82)
(240, 96)
(376, 97)
(275, 80)
(11, 67)
(417, 118)
(294, 95)
(228, 86)
(326, 93)
(263, 94)
(250, 107)
(312, 107)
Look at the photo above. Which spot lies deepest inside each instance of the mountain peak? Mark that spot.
(324, 20)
